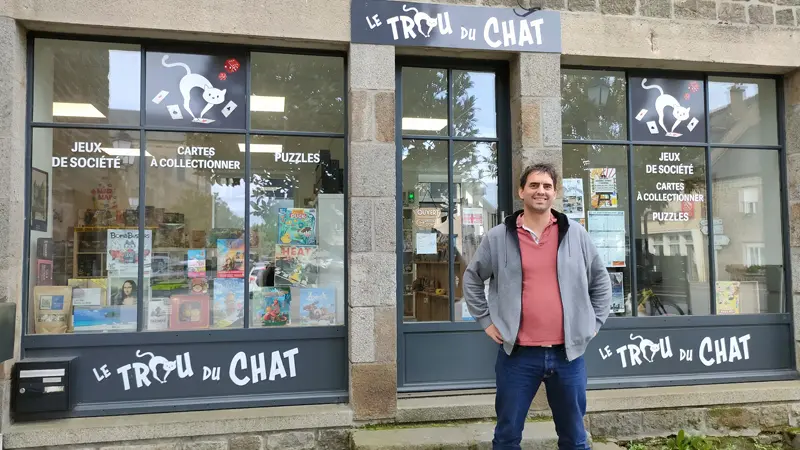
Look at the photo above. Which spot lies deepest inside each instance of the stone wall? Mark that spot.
(12, 180)
(372, 261)
(754, 12)
(325, 439)
(792, 102)
(743, 420)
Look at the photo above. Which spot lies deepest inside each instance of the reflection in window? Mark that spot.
(426, 273)
(197, 231)
(593, 105)
(743, 111)
(84, 237)
(297, 93)
(748, 242)
(595, 194)
(425, 102)
(670, 206)
(296, 231)
(474, 109)
(86, 82)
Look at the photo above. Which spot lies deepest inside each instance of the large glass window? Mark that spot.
(450, 190)
(182, 257)
(704, 219)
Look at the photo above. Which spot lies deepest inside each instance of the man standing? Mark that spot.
(549, 294)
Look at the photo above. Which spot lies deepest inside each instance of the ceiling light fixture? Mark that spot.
(76, 110)
(124, 152)
(262, 103)
(420, 124)
(262, 148)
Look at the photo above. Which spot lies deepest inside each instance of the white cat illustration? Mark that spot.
(419, 18)
(211, 95)
(679, 112)
(647, 344)
(156, 361)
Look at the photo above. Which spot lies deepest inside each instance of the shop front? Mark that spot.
(679, 178)
(186, 246)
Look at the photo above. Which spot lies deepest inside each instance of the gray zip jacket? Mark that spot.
(582, 278)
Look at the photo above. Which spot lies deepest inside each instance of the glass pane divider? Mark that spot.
(712, 257)
(631, 206)
(85, 126)
(140, 307)
(247, 174)
(450, 198)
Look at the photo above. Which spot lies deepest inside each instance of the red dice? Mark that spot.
(232, 65)
(223, 76)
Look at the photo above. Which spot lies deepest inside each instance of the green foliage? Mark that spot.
(637, 446)
(684, 442)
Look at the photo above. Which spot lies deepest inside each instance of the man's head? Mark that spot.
(537, 187)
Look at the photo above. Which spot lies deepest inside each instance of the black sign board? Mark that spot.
(467, 27)
(8, 315)
(199, 91)
(667, 110)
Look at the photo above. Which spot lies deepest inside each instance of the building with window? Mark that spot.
(251, 224)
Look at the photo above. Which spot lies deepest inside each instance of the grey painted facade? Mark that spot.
(744, 37)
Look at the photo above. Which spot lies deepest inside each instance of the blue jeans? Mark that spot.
(518, 378)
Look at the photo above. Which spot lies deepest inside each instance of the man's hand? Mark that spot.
(492, 332)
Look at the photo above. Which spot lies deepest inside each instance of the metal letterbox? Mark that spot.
(42, 385)
(8, 314)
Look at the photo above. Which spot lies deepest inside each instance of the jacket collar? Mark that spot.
(561, 220)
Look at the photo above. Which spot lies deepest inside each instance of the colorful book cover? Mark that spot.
(297, 226)
(104, 318)
(295, 265)
(123, 252)
(228, 309)
(318, 306)
(230, 258)
(196, 261)
(271, 306)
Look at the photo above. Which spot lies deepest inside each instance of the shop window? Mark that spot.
(86, 82)
(595, 194)
(593, 105)
(182, 258)
(749, 247)
(674, 130)
(297, 93)
(297, 236)
(743, 111)
(84, 236)
(449, 185)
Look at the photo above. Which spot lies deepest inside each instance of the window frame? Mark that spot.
(31, 340)
(708, 146)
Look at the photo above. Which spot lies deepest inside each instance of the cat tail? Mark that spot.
(178, 64)
(633, 338)
(408, 8)
(139, 354)
(655, 86)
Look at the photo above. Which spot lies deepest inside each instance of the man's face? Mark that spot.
(539, 192)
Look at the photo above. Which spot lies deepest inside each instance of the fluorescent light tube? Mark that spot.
(262, 148)
(124, 152)
(76, 110)
(263, 103)
(420, 124)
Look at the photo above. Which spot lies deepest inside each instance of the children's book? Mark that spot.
(297, 226)
(318, 306)
(271, 306)
(228, 309)
(230, 258)
(295, 265)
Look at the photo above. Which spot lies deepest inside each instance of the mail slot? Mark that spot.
(42, 385)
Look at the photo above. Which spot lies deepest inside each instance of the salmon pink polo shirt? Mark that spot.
(542, 321)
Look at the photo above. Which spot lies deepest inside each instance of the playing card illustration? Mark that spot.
(175, 112)
(202, 120)
(692, 123)
(652, 127)
(675, 135)
(157, 99)
(228, 109)
(641, 114)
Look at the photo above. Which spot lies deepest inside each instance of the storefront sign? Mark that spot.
(667, 110)
(437, 25)
(686, 350)
(426, 217)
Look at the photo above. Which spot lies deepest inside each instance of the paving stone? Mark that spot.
(732, 13)
(761, 15)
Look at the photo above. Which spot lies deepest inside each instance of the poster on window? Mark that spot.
(607, 230)
(728, 294)
(472, 216)
(604, 187)
(573, 198)
(198, 91)
(122, 252)
(617, 293)
(230, 258)
(667, 110)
